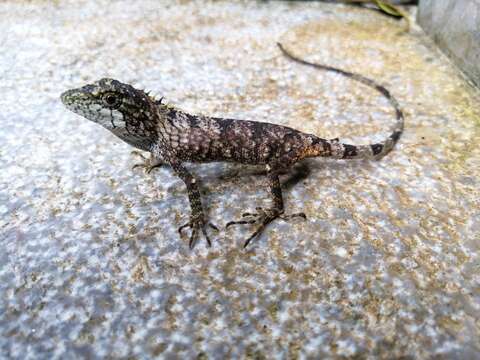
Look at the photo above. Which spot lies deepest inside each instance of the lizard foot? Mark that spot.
(148, 163)
(196, 224)
(263, 217)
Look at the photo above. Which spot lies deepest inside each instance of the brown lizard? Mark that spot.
(175, 137)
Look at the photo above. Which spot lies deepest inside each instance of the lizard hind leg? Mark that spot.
(263, 217)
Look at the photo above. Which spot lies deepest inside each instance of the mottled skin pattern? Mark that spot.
(175, 137)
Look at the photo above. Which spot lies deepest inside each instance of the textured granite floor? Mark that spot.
(387, 265)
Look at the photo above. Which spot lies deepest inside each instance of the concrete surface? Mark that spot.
(387, 265)
(455, 27)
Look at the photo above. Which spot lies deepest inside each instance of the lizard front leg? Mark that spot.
(263, 217)
(197, 218)
(153, 162)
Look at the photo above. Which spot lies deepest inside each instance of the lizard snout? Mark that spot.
(67, 97)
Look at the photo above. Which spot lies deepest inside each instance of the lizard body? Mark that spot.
(175, 137)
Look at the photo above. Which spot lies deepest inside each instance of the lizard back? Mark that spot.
(206, 139)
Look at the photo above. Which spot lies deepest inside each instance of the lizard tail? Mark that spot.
(334, 148)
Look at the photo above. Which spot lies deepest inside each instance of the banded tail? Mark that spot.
(334, 148)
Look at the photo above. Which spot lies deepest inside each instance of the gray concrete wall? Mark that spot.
(455, 27)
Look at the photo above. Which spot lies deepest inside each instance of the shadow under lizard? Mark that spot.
(175, 137)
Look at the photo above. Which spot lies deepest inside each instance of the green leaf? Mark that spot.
(389, 8)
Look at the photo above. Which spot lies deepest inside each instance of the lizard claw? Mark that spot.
(262, 217)
(291, 216)
(197, 224)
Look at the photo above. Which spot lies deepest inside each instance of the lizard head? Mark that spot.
(127, 112)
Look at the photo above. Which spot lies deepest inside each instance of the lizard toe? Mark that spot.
(196, 225)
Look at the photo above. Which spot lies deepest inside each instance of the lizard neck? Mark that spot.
(140, 129)
(140, 142)
(173, 121)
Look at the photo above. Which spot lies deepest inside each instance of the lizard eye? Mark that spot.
(111, 100)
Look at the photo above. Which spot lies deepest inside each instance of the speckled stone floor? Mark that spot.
(387, 265)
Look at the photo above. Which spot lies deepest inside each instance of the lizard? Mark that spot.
(174, 137)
